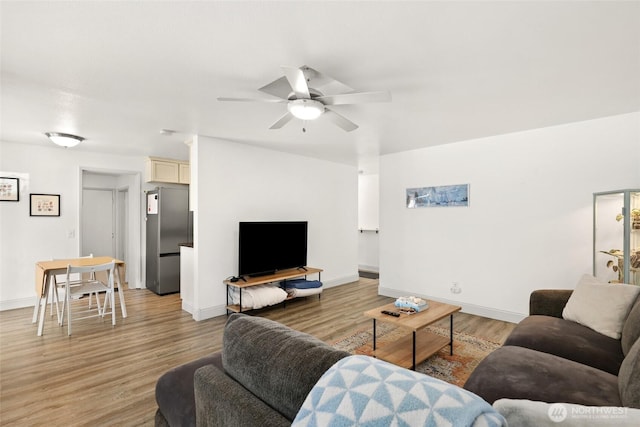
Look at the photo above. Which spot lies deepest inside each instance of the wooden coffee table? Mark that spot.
(421, 344)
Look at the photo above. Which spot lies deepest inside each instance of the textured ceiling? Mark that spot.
(118, 72)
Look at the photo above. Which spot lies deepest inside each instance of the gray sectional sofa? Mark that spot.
(550, 359)
(270, 375)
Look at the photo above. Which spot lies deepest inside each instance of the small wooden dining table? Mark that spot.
(46, 270)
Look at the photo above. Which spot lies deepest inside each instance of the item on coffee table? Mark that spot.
(418, 304)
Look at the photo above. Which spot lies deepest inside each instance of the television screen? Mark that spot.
(267, 247)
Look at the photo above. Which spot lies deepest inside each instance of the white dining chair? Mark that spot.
(86, 286)
(58, 284)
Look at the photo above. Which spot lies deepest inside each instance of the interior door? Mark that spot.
(98, 234)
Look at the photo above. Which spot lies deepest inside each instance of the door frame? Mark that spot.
(132, 180)
(121, 224)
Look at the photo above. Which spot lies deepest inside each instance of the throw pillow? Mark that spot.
(603, 307)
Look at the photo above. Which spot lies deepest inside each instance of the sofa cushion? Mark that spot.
(175, 395)
(521, 373)
(277, 364)
(603, 307)
(629, 378)
(222, 402)
(631, 329)
(360, 390)
(549, 302)
(568, 340)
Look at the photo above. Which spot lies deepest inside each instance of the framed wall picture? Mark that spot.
(444, 196)
(44, 204)
(9, 189)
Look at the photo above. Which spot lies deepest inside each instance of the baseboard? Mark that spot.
(210, 312)
(188, 307)
(17, 303)
(478, 310)
(371, 268)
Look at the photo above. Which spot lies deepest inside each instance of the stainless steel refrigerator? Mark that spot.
(168, 226)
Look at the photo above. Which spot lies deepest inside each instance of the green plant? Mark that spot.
(617, 267)
(635, 216)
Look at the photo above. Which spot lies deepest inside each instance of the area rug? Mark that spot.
(468, 350)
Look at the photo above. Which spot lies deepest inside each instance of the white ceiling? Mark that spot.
(118, 72)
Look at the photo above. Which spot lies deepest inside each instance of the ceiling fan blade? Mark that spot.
(250, 100)
(322, 82)
(298, 82)
(315, 79)
(282, 121)
(340, 120)
(355, 98)
(279, 88)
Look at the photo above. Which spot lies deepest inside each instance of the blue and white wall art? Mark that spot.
(444, 195)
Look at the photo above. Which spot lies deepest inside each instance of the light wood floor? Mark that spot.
(104, 375)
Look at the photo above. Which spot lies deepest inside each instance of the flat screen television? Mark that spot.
(267, 247)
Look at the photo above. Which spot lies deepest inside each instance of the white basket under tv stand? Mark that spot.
(283, 275)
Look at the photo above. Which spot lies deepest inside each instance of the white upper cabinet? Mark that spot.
(167, 171)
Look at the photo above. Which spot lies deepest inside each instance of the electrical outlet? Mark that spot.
(455, 288)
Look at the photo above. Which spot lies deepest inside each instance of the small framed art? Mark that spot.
(44, 204)
(443, 195)
(9, 189)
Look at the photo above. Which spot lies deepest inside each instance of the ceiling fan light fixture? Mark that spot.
(64, 139)
(305, 109)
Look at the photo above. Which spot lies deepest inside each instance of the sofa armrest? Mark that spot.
(221, 401)
(549, 302)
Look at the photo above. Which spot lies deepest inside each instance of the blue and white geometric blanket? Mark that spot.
(364, 391)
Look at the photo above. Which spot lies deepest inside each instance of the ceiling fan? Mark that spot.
(308, 95)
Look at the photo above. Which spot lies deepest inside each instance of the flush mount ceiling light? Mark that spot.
(64, 139)
(305, 109)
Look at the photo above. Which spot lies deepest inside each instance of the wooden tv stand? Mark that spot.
(280, 276)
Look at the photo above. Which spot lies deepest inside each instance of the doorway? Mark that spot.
(368, 225)
(98, 222)
(110, 217)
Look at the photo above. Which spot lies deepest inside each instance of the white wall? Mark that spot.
(24, 240)
(368, 221)
(237, 182)
(368, 201)
(529, 223)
